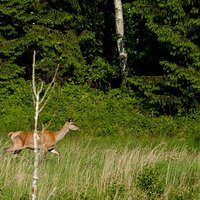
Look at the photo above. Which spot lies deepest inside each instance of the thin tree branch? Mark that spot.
(46, 100)
(47, 90)
(48, 124)
(40, 110)
(41, 87)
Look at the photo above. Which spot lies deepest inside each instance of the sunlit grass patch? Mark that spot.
(92, 169)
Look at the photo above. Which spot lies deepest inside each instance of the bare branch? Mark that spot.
(46, 100)
(52, 82)
(40, 110)
(48, 124)
(41, 87)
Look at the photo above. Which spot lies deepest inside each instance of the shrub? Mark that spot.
(97, 113)
(150, 182)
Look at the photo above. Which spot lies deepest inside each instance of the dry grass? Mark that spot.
(103, 172)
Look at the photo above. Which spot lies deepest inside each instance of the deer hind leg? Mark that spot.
(12, 149)
(16, 147)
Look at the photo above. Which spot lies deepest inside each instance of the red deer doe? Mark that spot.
(46, 139)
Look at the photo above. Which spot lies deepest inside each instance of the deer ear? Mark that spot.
(69, 120)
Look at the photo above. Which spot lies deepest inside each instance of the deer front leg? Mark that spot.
(55, 152)
(44, 154)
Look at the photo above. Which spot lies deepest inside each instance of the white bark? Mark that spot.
(120, 39)
(119, 18)
(39, 105)
(36, 101)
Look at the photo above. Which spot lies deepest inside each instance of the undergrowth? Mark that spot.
(97, 113)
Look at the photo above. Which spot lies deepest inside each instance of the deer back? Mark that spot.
(44, 138)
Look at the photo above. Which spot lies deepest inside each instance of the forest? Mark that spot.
(139, 139)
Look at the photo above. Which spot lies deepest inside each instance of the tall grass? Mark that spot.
(90, 169)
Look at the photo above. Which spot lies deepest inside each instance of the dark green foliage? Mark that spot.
(162, 41)
(16, 106)
(98, 114)
(66, 34)
(167, 54)
(150, 181)
(38, 30)
(95, 111)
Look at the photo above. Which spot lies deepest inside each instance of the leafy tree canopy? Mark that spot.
(162, 41)
(166, 52)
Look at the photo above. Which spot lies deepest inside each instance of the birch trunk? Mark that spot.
(120, 40)
(36, 156)
(39, 105)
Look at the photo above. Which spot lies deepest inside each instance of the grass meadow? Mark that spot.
(110, 168)
(124, 151)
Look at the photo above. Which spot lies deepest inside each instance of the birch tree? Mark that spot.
(39, 105)
(120, 40)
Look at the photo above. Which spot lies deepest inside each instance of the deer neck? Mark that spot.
(62, 132)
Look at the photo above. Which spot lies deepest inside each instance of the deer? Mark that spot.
(46, 140)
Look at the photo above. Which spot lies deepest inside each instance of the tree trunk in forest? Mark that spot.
(120, 40)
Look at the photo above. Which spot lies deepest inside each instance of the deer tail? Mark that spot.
(13, 134)
(10, 134)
